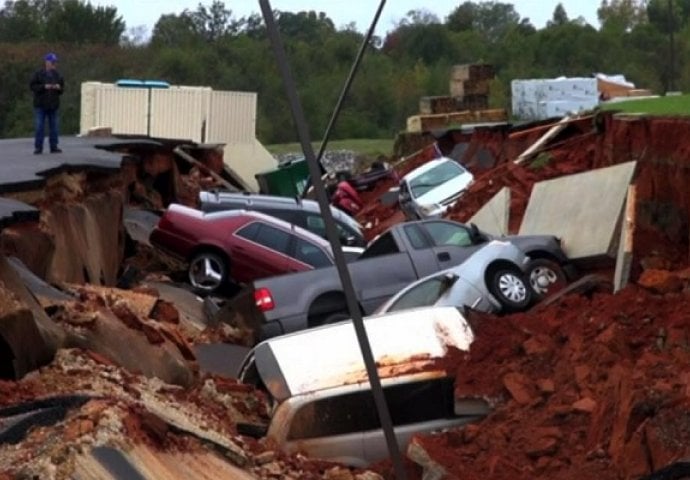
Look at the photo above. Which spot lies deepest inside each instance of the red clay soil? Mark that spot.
(588, 388)
(591, 387)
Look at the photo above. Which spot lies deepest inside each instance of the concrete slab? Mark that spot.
(39, 287)
(139, 224)
(14, 211)
(584, 210)
(220, 358)
(493, 217)
(20, 169)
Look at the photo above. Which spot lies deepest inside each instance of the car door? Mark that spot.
(405, 201)
(260, 250)
(453, 242)
(422, 250)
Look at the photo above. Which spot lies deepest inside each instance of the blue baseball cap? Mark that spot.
(51, 57)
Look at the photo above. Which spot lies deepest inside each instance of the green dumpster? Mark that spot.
(288, 180)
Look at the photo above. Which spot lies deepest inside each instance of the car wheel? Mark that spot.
(208, 272)
(329, 318)
(508, 285)
(546, 277)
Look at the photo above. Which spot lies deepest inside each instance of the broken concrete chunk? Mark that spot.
(516, 385)
(432, 469)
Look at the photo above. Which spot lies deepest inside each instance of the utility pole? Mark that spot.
(672, 47)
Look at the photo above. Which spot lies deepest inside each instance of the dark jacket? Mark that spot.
(43, 98)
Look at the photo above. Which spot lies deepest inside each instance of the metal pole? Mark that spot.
(346, 90)
(332, 235)
(671, 27)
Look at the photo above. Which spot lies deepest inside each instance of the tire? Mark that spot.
(510, 288)
(546, 277)
(208, 272)
(329, 318)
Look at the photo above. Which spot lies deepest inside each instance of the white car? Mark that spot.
(492, 279)
(430, 190)
(322, 403)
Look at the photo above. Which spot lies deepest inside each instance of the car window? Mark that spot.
(311, 254)
(249, 231)
(286, 215)
(424, 294)
(273, 238)
(356, 412)
(444, 233)
(438, 175)
(416, 237)
(316, 224)
(384, 245)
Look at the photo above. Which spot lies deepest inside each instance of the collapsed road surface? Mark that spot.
(592, 385)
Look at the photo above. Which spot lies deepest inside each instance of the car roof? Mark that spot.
(402, 342)
(428, 166)
(290, 203)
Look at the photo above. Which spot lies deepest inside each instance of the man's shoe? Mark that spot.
(55, 150)
(38, 152)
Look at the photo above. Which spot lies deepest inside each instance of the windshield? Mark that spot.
(438, 175)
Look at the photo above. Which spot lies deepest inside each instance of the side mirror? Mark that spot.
(475, 235)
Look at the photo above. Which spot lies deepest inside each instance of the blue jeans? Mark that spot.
(40, 115)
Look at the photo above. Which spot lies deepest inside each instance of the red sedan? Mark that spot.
(237, 245)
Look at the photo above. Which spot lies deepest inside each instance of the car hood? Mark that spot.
(446, 190)
(528, 243)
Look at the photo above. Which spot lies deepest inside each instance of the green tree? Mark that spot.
(73, 21)
(491, 19)
(621, 15)
(559, 17)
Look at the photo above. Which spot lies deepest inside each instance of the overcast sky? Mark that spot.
(342, 12)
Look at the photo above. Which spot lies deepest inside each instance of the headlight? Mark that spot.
(431, 209)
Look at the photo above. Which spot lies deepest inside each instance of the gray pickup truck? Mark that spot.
(404, 253)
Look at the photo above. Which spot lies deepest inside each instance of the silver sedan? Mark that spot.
(492, 279)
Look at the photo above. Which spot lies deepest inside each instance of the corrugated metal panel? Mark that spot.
(125, 110)
(180, 113)
(88, 106)
(233, 118)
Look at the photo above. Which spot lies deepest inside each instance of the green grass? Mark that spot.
(362, 146)
(672, 105)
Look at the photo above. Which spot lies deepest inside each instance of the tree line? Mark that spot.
(647, 40)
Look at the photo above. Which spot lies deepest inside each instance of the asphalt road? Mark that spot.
(20, 169)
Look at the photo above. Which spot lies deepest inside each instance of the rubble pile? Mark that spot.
(105, 406)
(588, 387)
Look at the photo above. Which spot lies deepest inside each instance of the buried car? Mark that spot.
(237, 245)
(325, 408)
(430, 190)
(493, 279)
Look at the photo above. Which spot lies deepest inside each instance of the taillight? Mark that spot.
(263, 299)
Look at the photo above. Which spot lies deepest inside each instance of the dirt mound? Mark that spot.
(590, 387)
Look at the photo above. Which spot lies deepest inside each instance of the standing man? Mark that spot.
(47, 85)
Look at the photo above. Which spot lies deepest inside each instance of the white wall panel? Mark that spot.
(233, 117)
(180, 113)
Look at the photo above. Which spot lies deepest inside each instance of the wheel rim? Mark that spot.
(512, 288)
(206, 273)
(542, 278)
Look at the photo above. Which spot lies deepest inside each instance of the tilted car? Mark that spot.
(430, 190)
(466, 285)
(322, 403)
(403, 254)
(304, 213)
(237, 245)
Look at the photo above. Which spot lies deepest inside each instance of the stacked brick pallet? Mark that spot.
(468, 101)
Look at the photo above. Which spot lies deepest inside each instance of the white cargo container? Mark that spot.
(198, 114)
(538, 99)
